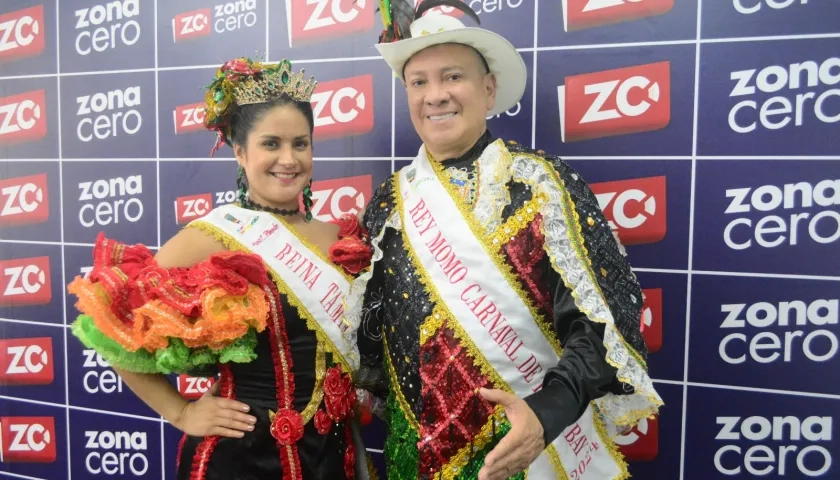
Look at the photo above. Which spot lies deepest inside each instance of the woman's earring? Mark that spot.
(307, 200)
(241, 187)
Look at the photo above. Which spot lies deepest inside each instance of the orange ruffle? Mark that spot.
(224, 317)
(140, 304)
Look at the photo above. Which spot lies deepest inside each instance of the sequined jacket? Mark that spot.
(427, 377)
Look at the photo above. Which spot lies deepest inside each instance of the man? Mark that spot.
(500, 320)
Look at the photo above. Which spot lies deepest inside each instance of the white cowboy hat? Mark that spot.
(436, 28)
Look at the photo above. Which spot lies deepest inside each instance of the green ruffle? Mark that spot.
(175, 358)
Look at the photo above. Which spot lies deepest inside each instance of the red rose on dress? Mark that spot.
(338, 393)
(287, 426)
(351, 253)
(348, 226)
(323, 423)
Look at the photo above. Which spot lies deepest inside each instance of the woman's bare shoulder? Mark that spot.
(187, 248)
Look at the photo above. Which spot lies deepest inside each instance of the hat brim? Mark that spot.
(504, 60)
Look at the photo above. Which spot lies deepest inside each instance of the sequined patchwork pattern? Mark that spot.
(525, 253)
(453, 412)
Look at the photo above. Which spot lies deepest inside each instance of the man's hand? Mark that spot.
(521, 446)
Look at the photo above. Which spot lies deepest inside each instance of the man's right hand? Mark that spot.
(212, 415)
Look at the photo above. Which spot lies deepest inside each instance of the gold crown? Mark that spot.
(273, 82)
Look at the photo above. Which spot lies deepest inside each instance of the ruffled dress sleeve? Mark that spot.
(144, 318)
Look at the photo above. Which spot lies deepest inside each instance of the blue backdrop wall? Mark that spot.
(709, 131)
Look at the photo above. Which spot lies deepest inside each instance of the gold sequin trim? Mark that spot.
(517, 222)
(430, 327)
(395, 386)
(318, 392)
(452, 468)
(612, 448)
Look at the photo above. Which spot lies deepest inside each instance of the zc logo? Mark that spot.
(634, 208)
(192, 388)
(24, 200)
(26, 361)
(189, 118)
(615, 102)
(193, 207)
(315, 20)
(27, 439)
(22, 33)
(583, 14)
(222, 18)
(334, 198)
(641, 443)
(23, 117)
(25, 281)
(343, 107)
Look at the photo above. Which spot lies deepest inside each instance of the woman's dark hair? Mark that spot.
(243, 118)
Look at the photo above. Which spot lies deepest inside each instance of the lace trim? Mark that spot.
(284, 383)
(491, 168)
(429, 328)
(569, 257)
(318, 393)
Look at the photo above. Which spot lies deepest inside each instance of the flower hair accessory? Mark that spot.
(243, 81)
(397, 16)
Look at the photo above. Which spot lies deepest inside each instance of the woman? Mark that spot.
(252, 291)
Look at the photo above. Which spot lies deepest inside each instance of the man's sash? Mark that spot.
(497, 321)
(310, 281)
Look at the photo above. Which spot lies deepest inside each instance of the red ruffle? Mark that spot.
(132, 278)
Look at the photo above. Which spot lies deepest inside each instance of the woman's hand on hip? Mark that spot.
(213, 415)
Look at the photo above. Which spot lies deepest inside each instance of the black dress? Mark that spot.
(256, 456)
(229, 317)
